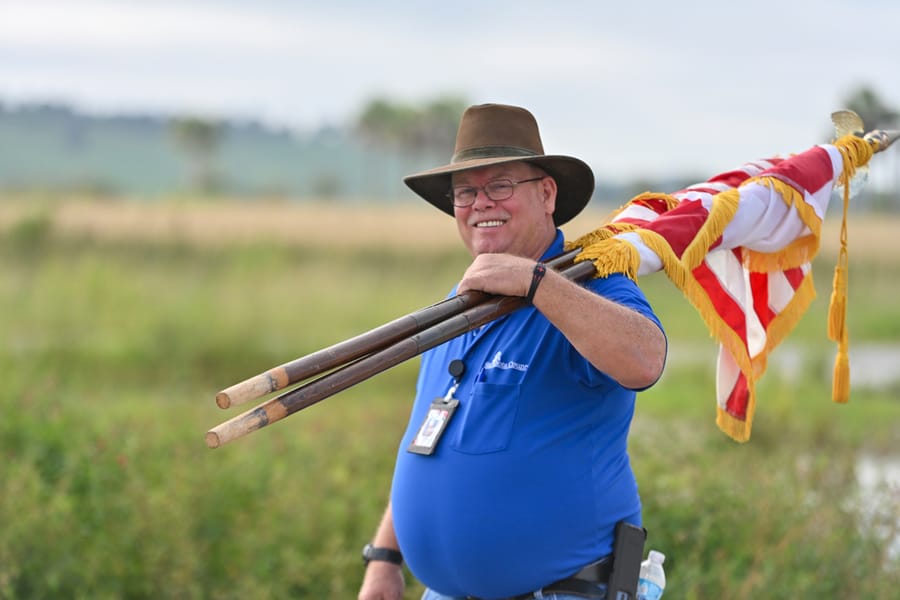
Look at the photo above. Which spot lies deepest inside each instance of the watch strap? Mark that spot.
(390, 555)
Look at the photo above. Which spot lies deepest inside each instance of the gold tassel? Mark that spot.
(837, 311)
(840, 391)
(856, 152)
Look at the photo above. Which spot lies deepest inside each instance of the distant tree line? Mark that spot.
(365, 156)
(411, 129)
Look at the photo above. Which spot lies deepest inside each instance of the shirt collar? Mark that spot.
(556, 247)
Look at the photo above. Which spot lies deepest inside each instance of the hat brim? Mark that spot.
(574, 182)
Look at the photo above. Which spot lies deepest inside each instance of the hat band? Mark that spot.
(491, 152)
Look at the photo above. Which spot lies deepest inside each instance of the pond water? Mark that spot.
(871, 364)
(878, 502)
(877, 497)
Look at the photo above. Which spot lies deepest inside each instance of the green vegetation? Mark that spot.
(112, 353)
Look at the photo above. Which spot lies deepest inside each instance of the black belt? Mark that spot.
(583, 583)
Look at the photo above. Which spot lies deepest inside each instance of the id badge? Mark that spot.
(433, 426)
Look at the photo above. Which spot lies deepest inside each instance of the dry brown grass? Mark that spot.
(245, 222)
(871, 237)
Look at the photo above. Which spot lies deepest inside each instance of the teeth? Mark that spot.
(490, 223)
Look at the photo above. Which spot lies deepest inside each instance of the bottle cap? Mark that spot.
(657, 556)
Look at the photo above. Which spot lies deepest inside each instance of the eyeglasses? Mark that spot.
(496, 190)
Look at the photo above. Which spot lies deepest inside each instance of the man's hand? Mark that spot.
(383, 581)
(501, 274)
(617, 340)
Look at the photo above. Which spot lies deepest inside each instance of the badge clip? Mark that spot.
(438, 416)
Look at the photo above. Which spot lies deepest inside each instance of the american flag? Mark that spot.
(739, 246)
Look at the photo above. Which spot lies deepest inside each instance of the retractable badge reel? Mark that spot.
(439, 414)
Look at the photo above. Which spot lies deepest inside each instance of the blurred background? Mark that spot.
(304, 100)
(192, 193)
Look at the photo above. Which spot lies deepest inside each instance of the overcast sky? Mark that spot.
(649, 88)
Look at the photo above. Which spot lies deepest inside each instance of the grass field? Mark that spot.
(121, 321)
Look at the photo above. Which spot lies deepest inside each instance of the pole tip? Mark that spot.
(212, 439)
(223, 400)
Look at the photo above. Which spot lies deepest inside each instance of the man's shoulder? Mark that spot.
(613, 281)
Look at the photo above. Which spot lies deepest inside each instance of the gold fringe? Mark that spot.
(670, 200)
(599, 235)
(785, 321)
(752, 367)
(736, 429)
(721, 212)
(801, 250)
(671, 265)
(794, 198)
(590, 238)
(797, 253)
(611, 227)
(612, 255)
(718, 328)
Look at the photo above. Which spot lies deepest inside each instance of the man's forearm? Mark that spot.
(384, 535)
(622, 343)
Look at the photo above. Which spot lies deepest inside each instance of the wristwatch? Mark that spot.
(370, 553)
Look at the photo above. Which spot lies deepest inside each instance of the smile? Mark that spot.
(494, 223)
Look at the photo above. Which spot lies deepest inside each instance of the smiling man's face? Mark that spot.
(521, 225)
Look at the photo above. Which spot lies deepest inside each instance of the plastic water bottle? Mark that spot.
(652, 583)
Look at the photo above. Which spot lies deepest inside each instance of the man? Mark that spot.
(513, 471)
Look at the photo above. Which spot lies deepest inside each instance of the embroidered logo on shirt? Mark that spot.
(498, 363)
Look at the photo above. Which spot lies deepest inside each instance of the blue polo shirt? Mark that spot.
(532, 473)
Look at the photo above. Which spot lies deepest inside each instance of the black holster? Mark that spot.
(628, 552)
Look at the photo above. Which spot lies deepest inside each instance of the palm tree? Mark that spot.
(876, 114)
(406, 137)
(412, 130)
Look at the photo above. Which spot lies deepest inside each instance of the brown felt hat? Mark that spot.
(491, 134)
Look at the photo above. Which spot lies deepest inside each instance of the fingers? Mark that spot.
(500, 274)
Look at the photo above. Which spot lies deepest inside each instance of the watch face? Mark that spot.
(368, 553)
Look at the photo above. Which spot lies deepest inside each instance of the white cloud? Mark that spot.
(636, 88)
(124, 27)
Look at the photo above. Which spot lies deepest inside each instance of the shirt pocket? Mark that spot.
(487, 418)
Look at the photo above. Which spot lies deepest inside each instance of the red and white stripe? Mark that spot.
(745, 303)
